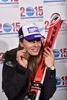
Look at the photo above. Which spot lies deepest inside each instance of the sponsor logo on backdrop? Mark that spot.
(61, 82)
(9, 1)
(31, 12)
(56, 53)
(60, 54)
(9, 28)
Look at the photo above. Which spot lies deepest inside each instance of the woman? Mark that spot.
(19, 71)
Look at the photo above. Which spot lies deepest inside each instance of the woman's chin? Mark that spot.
(34, 54)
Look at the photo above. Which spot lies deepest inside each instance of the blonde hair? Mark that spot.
(33, 63)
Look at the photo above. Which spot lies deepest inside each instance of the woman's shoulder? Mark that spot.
(10, 55)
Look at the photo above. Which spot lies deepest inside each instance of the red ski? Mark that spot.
(40, 74)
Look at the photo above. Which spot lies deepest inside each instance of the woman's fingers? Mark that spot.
(49, 57)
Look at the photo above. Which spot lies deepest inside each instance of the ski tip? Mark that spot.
(55, 18)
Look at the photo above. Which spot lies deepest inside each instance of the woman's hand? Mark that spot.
(20, 58)
(49, 57)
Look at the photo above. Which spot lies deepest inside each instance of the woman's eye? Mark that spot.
(38, 39)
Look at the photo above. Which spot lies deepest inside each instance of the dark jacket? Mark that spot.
(15, 79)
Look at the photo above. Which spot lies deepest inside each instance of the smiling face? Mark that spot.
(33, 47)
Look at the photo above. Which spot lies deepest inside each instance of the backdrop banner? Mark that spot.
(16, 13)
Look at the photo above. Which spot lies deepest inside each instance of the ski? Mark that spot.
(41, 72)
